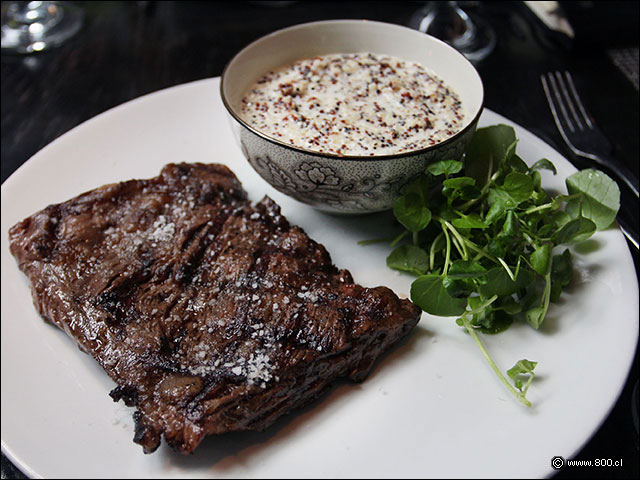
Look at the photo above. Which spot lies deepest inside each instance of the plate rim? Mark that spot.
(34, 159)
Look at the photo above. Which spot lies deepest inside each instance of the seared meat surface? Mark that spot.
(211, 314)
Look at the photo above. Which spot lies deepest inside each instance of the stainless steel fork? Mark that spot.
(584, 138)
(578, 129)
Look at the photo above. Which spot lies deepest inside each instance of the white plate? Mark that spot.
(432, 408)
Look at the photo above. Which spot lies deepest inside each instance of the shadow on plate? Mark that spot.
(583, 273)
(225, 452)
(588, 246)
(370, 226)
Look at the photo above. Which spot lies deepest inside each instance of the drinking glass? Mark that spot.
(29, 27)
(468, 33)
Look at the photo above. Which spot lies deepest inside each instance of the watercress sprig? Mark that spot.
(483, 239)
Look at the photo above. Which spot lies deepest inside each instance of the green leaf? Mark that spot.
(489, 320)
(538, 197)
(509, 305)
(451, 187)
(409, 258)
(576, 230)
(510, 226)
(498, 246)
(535, 316)
(510, 154)
(499, 323)
(546, 230)
(522, 367)
(559, 200)
(463, 187)
(516, 164)
(455, 183)
(541, 259)
(447, 213)
(601, 196)
(519, 186)
(411, 212)
(529, 297)
(500, 283)
(458, 288)
(561, 218)
(459, 279)
(444, 167)
(468, 192)
(537, 179)
(488, 151)
(544, 164)
(483, 318)
(466, 269)
(419, 186)
(561, 273)
(469, 221)
(500, 201)
(532, 220)
(429, 294)
(500, 195)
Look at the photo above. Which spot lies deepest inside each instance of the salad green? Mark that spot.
(483, 239)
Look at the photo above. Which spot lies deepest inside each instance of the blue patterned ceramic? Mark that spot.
(346, 184)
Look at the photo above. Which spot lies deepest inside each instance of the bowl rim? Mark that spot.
(333, 156)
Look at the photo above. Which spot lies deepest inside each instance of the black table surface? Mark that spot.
(129, 49)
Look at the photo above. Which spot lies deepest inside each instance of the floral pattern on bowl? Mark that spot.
(340, 185)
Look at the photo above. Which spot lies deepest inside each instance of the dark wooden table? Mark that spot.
(128, 49)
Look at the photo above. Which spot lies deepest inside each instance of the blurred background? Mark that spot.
(128, 49)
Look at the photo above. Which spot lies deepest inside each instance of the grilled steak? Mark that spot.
(211, 314)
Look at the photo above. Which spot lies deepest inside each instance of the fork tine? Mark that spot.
(550, 102)
(552, 105)
(559, 103)
(569, 102)
(548, 84)
(583, 111)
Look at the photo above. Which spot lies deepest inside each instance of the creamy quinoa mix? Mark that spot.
(354, 104)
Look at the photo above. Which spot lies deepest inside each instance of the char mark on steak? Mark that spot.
(211, 314)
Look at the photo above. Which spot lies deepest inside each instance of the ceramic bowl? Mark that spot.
(346, 184)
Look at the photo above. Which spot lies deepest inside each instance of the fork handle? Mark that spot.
(622, 172)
